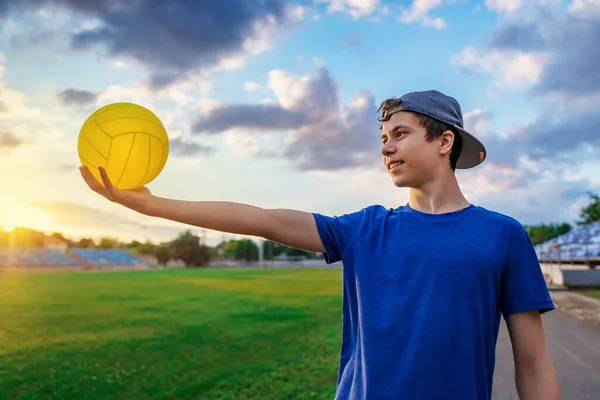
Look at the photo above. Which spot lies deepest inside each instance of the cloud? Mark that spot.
(508, 6)
(12, 102)
(185, 148)
(509, 69)
(259, 116)
(69, 214)
(174, 38)
(552, 58)
(356, 8)
(419, 12)
(8, 141)
(543, 155)
(251, 86)
(518, 36)
(75, 97)
(77, 216)
(320, 133)
(575, 48)
(567, 82)
(476, 120)
(560, 202)
(552, 54)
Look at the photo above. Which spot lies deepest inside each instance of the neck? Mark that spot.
(439, 196)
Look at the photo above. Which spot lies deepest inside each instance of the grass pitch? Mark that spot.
(170, 334)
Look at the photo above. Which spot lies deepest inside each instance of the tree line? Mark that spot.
(189, 248)
(543, 232)
(186, 247)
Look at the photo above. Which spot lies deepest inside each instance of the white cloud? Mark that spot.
(251, 86)
(356, 8)
(319, 63)
(182, 92)
(296, 12)
(419, 12)
(585, 8)
(13, 105)
(241, 142)
(509, 68)
(476, 120)
(288, 89)
(508, 6)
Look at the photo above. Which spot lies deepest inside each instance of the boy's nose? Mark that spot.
(388, 149)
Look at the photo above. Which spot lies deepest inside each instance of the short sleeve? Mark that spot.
(523, 285)
(337, 233)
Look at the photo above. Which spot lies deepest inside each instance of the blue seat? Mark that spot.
(106, 257)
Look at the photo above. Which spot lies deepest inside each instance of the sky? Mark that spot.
(274, 103)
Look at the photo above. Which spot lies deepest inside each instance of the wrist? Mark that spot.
(148, 206)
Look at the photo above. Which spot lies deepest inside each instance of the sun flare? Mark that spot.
(18, 214)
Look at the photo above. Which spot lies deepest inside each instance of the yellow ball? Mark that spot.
(128, 140)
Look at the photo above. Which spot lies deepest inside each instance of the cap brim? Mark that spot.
(473, 152)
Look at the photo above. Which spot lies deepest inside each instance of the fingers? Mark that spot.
(93, 183)
(107, 183)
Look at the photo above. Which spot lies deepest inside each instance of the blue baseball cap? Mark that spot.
(446, 109)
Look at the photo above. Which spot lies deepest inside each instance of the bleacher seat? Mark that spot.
(106, 257)
(33, 256)
(579, 243)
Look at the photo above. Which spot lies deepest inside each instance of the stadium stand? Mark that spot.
(40, 257)
(33, 256)
(106, 257)
(582, 242)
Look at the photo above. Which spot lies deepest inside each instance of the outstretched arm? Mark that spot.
(292, 228)
(535, 376)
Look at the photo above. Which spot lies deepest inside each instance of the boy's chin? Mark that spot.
(400, 183)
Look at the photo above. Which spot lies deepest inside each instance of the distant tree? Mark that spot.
(26, 237)
(590, 213)
(107, 243)
(85, 243)
(146, 249)
(244, 249)
(273, 249)
(293, 252)
(163, 254)
(544, 232)
(134, 244)
(186, 247)
(59, 236)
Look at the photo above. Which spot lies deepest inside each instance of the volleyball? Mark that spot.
(127, 140)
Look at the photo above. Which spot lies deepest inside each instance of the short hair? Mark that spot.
(433, 127)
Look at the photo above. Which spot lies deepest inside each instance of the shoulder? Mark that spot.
(509, 228)
(499, 219)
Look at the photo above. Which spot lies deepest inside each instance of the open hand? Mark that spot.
(136, 199)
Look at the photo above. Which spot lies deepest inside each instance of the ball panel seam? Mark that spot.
(137, 132)
(99, 127)
(94, 147)
(127, 160)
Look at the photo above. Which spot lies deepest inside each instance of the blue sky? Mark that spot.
(523, 70)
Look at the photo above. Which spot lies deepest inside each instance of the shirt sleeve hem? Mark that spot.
(331, 254)
(542, 306)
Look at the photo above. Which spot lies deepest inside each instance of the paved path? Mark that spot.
(574, 346)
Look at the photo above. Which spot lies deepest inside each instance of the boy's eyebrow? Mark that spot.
(394, 129)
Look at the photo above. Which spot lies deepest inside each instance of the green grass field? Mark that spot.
(170, 334)
(592, 293)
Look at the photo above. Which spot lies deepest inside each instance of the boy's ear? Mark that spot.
(446, 142)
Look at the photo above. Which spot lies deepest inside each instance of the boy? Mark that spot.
(425, 284)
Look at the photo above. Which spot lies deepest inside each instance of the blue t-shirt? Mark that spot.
(422, 298)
